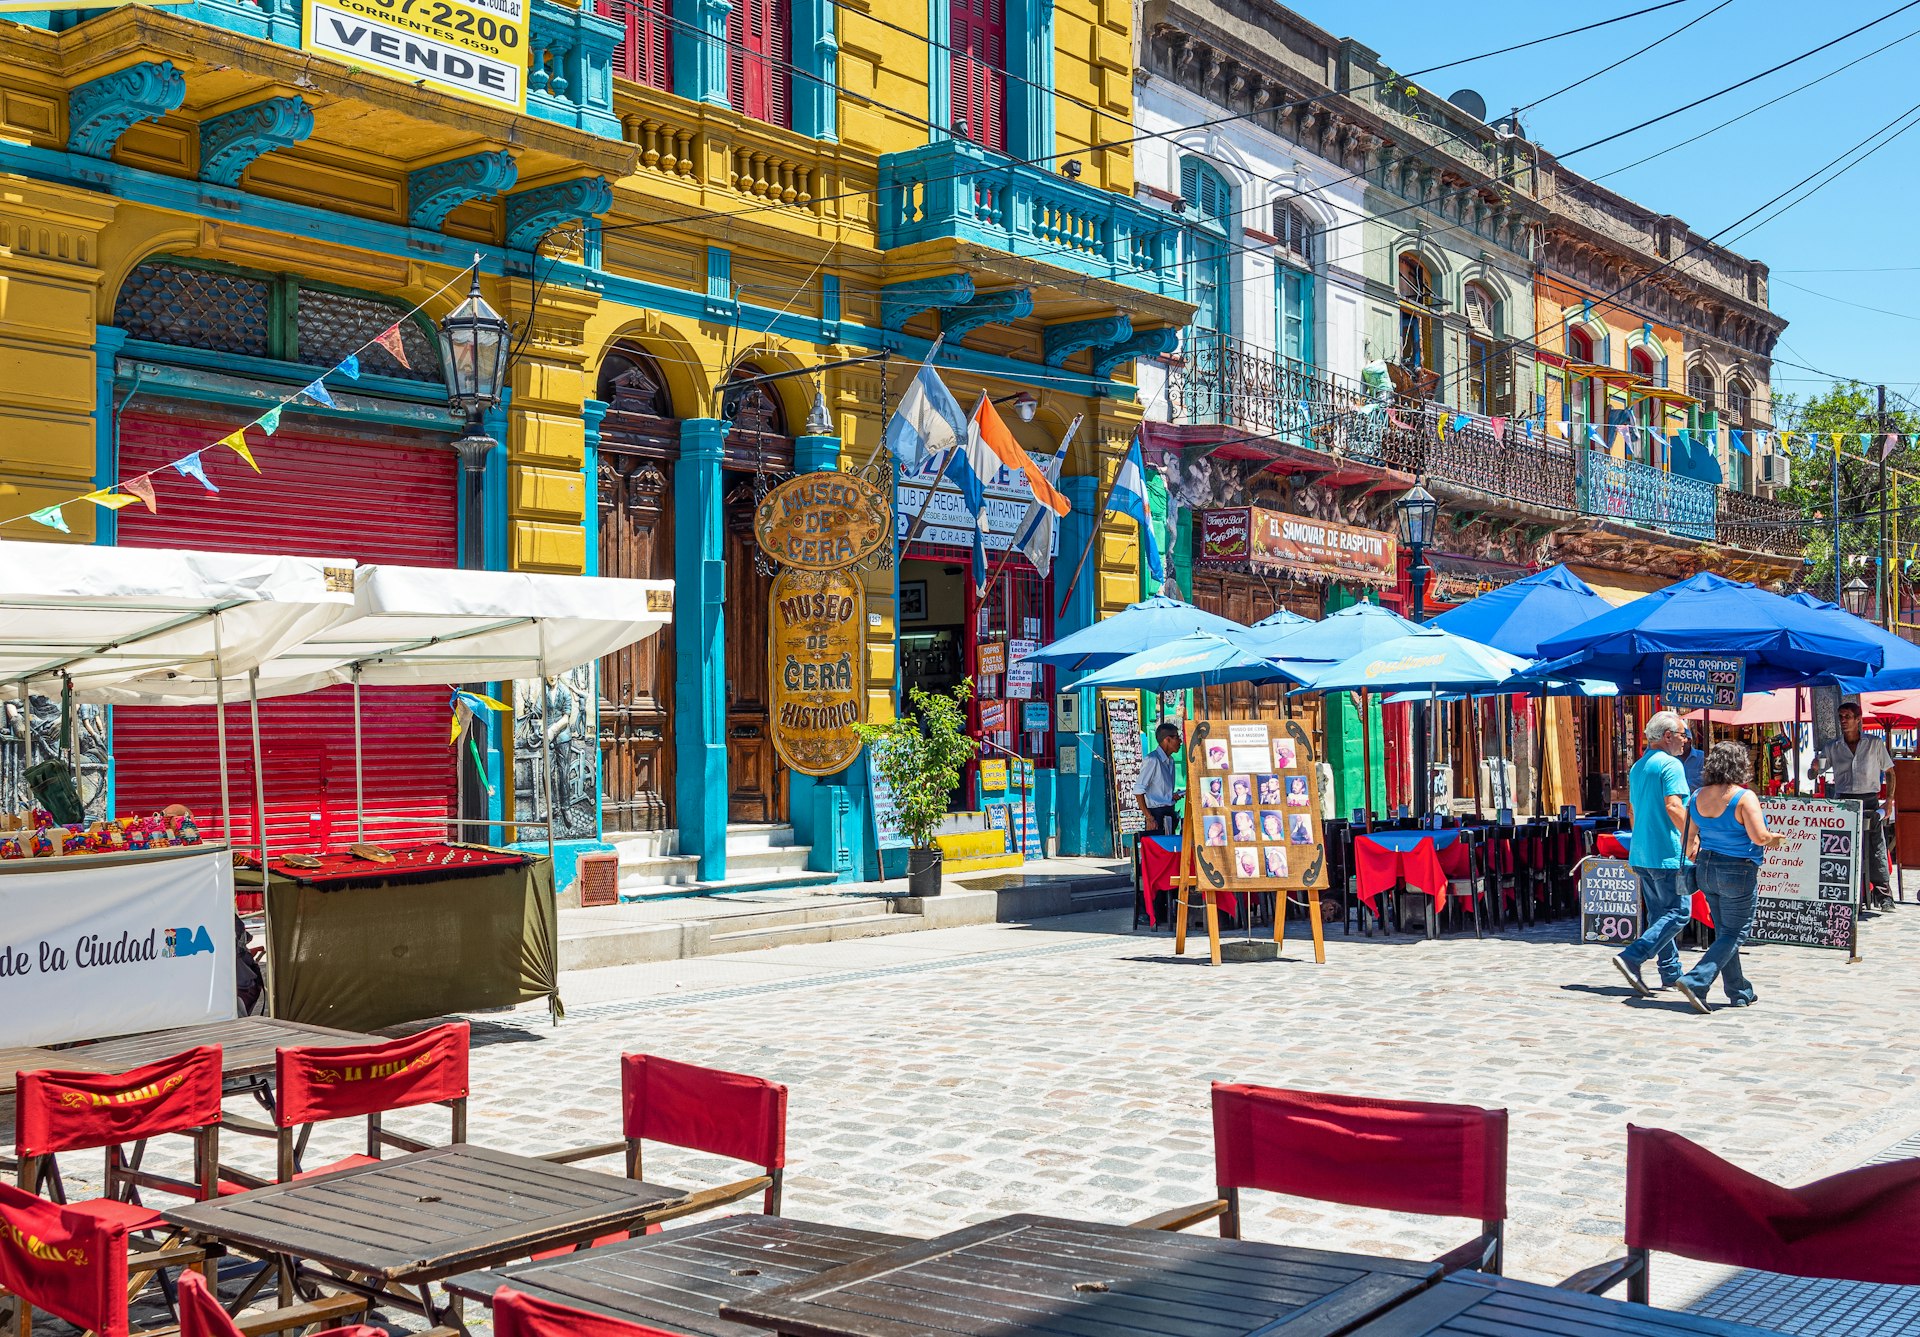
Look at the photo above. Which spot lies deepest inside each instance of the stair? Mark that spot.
(647, 929)
(971, 851)
(760, 856)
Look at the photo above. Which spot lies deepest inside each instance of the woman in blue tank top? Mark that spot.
(1727, 839)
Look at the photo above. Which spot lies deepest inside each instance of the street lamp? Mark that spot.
(1856, 596)
(1416, 515)
(474, 345)
(1023, 403)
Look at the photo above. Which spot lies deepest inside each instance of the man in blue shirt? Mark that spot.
(1657, 788)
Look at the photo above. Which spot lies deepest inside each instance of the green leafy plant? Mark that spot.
(920, 756)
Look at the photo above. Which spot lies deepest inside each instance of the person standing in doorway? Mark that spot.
(1727, 838)
(1153, 791)
(1859, 763)
(1657, 789)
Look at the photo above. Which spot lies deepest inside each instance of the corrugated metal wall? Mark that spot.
(319, 495)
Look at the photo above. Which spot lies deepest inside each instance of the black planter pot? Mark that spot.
(923, 872)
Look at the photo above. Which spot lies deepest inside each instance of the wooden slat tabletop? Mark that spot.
(29, 1059)
(679, 1279)
(1471, 1304)
(246, 1048)
(426, 1216)
(1023, 1276)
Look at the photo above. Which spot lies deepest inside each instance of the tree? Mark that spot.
(1849, 408)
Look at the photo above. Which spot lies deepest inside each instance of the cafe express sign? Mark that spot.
(817, 526)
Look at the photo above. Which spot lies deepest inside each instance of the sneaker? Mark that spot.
(1694, 1000)
(1630, 970)
(1741, 1002)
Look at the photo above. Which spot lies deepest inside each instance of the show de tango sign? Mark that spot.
(822, 521)
(817, 635)
(1264, 542)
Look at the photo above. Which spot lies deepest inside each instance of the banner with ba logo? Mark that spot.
(97, 948)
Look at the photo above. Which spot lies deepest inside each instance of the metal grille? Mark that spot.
(330, 325)
(196, 308)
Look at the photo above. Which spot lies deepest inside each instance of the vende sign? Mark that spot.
(475, 48)
(112, 945)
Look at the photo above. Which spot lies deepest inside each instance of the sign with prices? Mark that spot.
(1703, 682)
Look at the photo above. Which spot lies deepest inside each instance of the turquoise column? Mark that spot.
(832, 814)
(816, 58)
(1080, 799)
(1030, 89)
(939, 69)
(699, 679)
(107, 342)
(700, 50)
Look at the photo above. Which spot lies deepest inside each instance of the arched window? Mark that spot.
(1483, 350)
(1586, 394)
(1739, 402)
(1700, 386)
(1209, 207)
(1648, 411)
(978, 37)
(1294, 246)
(1482, 310)
(1416, 315)
(760, 60)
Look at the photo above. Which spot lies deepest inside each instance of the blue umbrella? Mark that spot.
(1286, 617)
(1551, 687)
(1784, 643)
(1517, 617)
(1142, 626)
(1434, 661)
(1899, 669)
(1335, 637)
(1200, 659)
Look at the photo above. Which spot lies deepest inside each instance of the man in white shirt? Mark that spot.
(1859, 762)
(1153, 791)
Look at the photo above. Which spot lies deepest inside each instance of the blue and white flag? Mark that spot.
(929, 419)
(1129, 498)
(1035, 535)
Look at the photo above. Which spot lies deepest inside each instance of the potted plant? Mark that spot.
(920, 756)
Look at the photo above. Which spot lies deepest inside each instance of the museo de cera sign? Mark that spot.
(1264, 542)
(817, 639)
(822, 522)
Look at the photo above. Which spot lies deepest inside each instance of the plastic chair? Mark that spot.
(313, 1086)
(701, 1109)
(1394, 1155)
(1682, 1199)
(517, 1314)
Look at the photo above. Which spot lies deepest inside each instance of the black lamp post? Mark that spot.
(474, 345)
(1415, 515)
(1856, 596)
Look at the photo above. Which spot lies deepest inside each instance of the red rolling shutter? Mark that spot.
(373, 500)
(645, 55)
(978, 64)
(760, 59)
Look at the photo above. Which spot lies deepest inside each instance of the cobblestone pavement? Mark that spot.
(943, 1078)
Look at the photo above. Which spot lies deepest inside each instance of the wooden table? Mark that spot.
(1029, 1275)
(1472, 1304)
(680, 1278)
(417, 1219)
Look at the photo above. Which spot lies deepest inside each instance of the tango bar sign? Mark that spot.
(822, 521)
(818, 644)
(1274, 543)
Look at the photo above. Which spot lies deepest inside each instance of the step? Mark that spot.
(971, 844)
(838, 930)
(759, 836)
(672, 928)
(751, 880)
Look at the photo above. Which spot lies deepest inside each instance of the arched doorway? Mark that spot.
(757, 448)
(639, 442)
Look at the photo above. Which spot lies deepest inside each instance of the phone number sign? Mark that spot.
(474, 48)
(1703, 682)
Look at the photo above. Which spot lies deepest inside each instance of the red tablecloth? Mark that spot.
(1386, 858)
(1159, 866)
(1611, 846)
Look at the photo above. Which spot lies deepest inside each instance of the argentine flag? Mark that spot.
(929, 419)
(1129, 498)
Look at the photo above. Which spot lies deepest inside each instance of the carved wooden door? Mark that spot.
(758, 791)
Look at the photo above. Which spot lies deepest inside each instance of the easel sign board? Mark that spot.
(1120, 721)
(886, 813)
(1256, 794)
(1809, 889)
(1703, 682)
(1609, 902)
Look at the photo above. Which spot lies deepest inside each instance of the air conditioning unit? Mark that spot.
(1774, 471)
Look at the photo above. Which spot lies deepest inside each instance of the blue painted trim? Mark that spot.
(592, 412)
(209, 369)
(107, 343)
(1029, 91)
(699, 647)
(939, 70)
(720, 303)
(816, 52)
(1081, 800)
(493, 484)
(700, 50)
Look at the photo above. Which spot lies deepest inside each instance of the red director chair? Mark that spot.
(1393, 1155)
(202, 1316)
(517, 1314)
(1682, 1199)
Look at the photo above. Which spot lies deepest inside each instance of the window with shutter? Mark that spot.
(645, 54)
(760, 60)
(978, 71)
(1209, 204)
(1295, 234)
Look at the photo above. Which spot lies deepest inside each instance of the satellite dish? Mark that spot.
(1471, 103)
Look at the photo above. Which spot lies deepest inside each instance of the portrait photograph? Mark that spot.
(1243, 828)
(1273, 825)
(1247, 862)
(1240, 788)
(1300, 829)
(1297, 796)
(1213, 830)
(1213, 792)
(1270, 789)
(1276, 860)
(1285, 755)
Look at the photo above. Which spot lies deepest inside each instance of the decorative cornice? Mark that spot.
(901, 302)
(987, 308)
(1143, 343)
(101, 110)
(232, 141)
(436, 191)
(1062, 341)
(531, 214)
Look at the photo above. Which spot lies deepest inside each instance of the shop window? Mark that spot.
(760, 60)
(645, 54)
(978, 71)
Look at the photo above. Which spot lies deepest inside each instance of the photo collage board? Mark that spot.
(1256, 805)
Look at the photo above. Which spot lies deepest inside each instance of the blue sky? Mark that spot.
(1861, 222)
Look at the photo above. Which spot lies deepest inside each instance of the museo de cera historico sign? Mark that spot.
(472, 48)
(817, 527)
(1273, 543)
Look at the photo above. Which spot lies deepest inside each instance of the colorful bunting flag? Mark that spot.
(110, 499)
(236, 441)
(317, 392)
(1740, 441)
(270, 420)
(389, 339)
(52, 517)
(141, 486)
(190, 467)
(1498, 426)
(350, 366)
(1866, 443)
(1891, 444)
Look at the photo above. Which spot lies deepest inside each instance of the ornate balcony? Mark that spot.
(954, 190)
(1638, 494)
(1760, 524)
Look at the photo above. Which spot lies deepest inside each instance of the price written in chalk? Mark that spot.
(1703, 682)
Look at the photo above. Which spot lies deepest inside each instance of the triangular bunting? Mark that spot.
(191, 467)
(1498, 426)
(1889, 445)
(270, 420)
(389, 339)
(141, 486)
(1740, 442)
(52, 517)
(110, 499)
(237, 443)
(317, 392)
(350, 366)
(1866, 443)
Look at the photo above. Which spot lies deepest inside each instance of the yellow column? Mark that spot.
(547, 492)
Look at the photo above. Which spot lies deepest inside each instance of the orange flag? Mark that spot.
(141, 486)
(389, 339)
(993, 433)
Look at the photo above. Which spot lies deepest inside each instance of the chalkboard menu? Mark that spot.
(1120, 721)
(886, 814)
(1703, 682)
(1609, 902)
(1809, 885)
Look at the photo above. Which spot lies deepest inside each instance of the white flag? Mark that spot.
(1035, 535)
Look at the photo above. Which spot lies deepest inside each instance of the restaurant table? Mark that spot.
(417, 1219)
(1159, 866)
(1424, 860)
(679, 1279)
(1473, 1304)
(1022, 1276)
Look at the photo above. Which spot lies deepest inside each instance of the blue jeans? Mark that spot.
(1667, 895)
(1729, 884)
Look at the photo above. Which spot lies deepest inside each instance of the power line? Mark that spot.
(1609, 69)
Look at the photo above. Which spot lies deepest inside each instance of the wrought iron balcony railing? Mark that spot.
(1760, 524)
(1638, 494)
